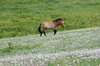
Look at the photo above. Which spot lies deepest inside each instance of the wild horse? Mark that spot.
(50, 25)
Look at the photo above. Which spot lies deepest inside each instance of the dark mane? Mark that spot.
(58, 20)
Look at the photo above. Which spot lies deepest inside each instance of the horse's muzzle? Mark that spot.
(63, 26)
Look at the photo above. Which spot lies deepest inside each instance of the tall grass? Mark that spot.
(22, 17)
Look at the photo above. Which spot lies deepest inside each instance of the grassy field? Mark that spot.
(79, 47)
(78, 44)
(22, 17)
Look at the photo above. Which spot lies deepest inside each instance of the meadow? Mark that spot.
(79, 47)
(78, 44)
(23, 17)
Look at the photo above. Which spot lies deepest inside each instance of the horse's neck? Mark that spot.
(57, 23)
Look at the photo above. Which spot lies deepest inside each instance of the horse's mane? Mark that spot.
(57, 20)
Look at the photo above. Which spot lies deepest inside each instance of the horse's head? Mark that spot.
(62, 23)
(59, 22)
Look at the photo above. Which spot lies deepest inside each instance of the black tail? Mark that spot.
(39, 29)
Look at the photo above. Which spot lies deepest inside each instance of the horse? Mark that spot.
(50, 25)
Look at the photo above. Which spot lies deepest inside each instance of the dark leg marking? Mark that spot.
(44, 33)
(55, 32)
(40, 33)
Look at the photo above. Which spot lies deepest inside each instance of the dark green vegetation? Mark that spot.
(14, 49)
(22, 17)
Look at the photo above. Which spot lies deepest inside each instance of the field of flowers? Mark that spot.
(79, 47)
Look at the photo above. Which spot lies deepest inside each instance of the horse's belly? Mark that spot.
(49, 26)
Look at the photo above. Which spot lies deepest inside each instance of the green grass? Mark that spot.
(91, 62)
(67, 48)
(13, 49)
(23, 17)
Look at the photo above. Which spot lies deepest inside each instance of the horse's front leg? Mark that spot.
(55, 31)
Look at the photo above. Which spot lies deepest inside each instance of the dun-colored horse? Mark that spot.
(50, 25)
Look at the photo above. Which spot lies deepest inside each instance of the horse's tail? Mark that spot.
(39, 29)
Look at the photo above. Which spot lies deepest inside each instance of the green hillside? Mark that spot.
(79, 47)
(22, 17)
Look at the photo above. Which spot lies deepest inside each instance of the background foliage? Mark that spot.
(23, 17)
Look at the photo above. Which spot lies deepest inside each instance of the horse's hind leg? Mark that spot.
(40, 33)
(44, 33)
